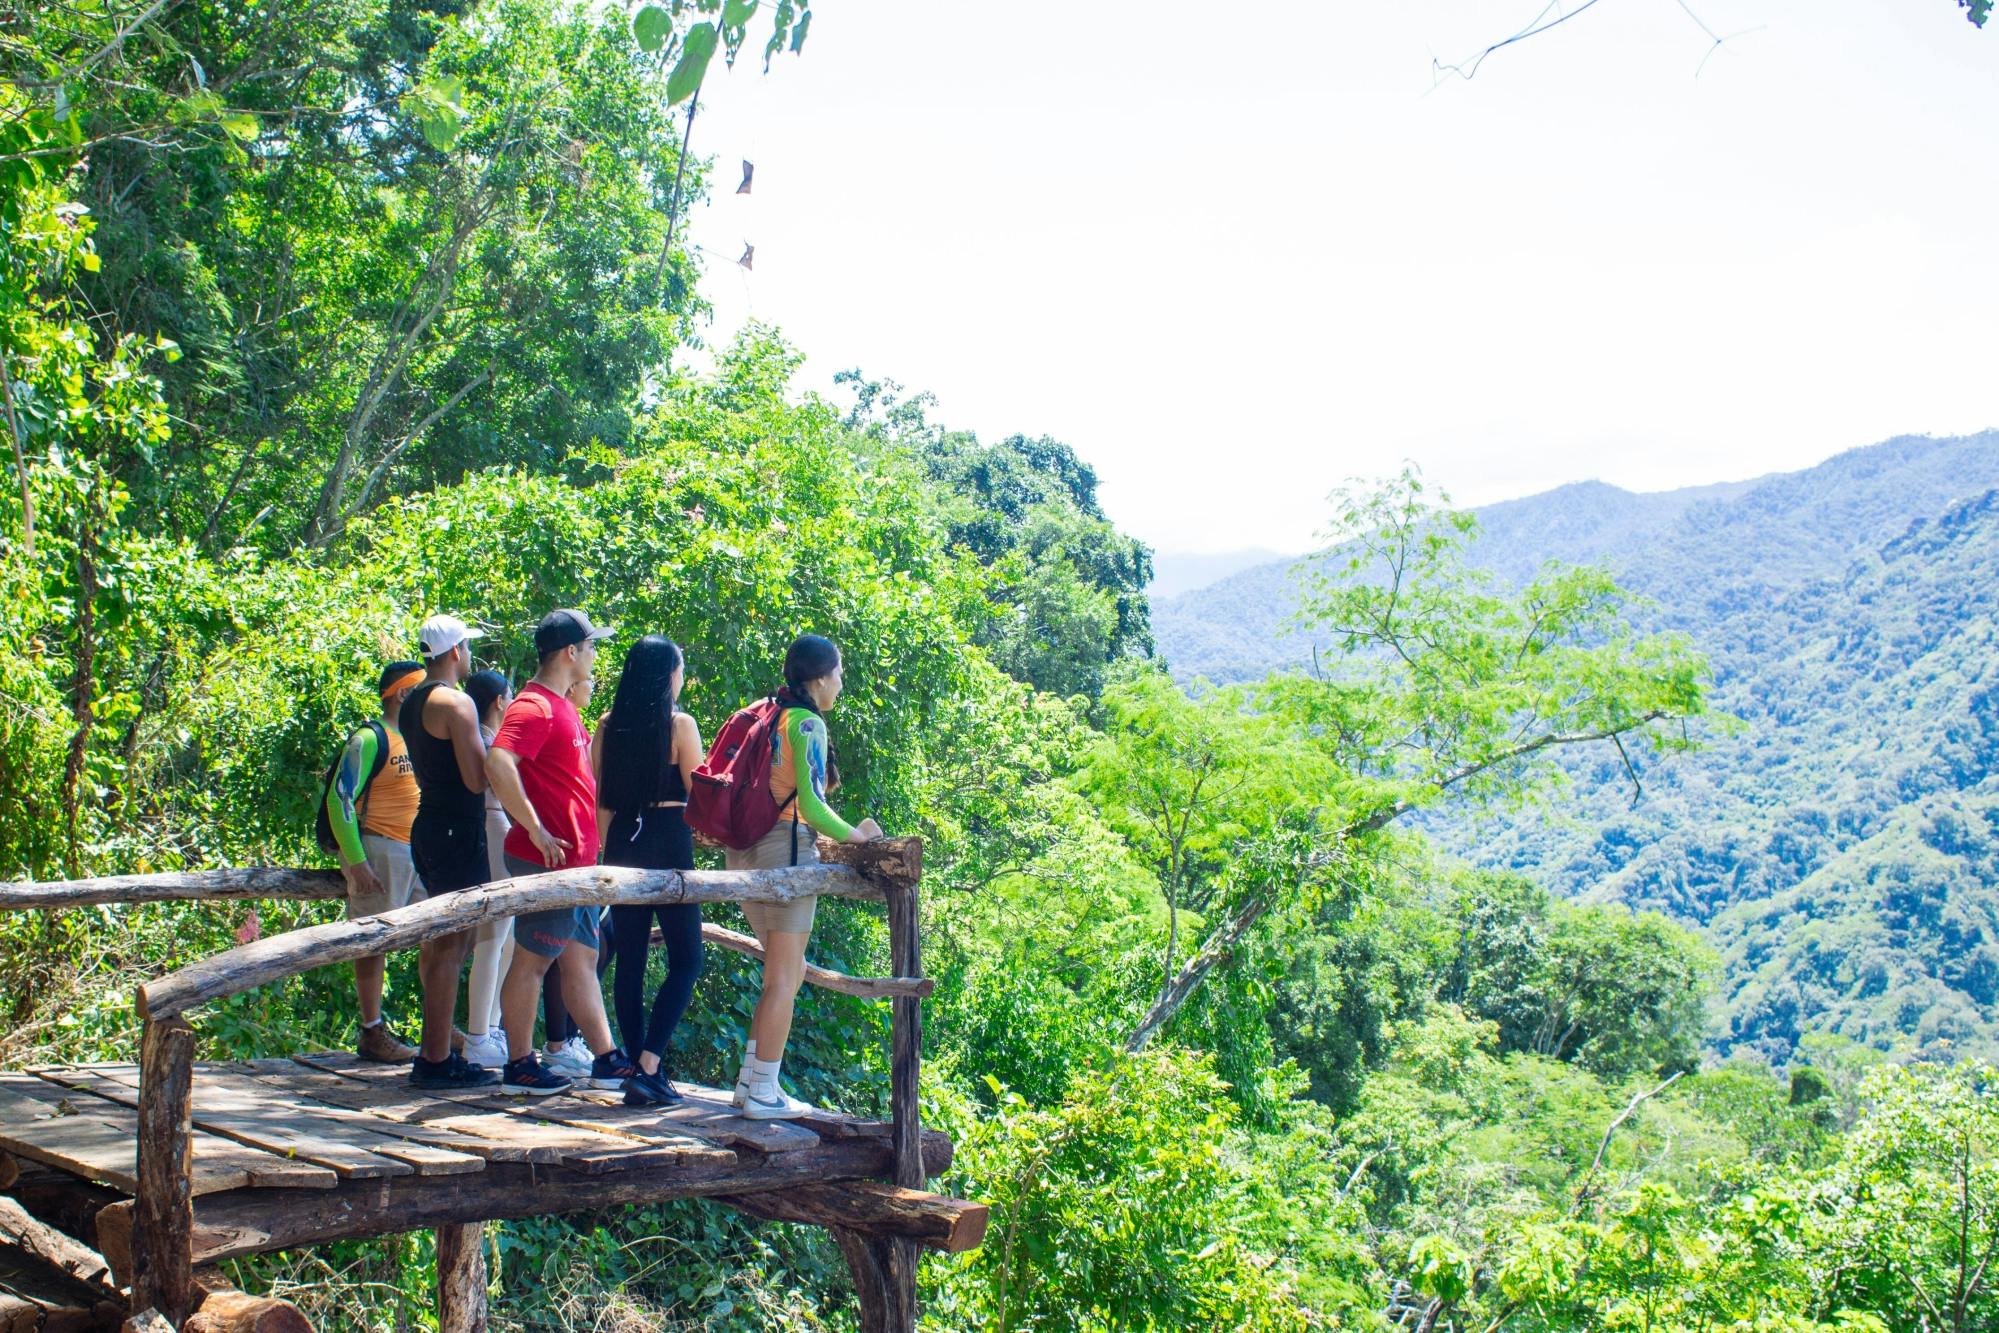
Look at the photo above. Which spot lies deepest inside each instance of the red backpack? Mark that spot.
(730, 800)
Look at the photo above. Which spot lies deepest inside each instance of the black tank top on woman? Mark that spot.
(435, 763)
(654, 838)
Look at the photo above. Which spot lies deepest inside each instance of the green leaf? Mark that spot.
(695, 53)
(437, 105)
(736, 13)
(798, 33)
(242, 125)
(198, 106)
(651, 27)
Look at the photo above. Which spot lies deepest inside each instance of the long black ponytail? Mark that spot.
(638, 731)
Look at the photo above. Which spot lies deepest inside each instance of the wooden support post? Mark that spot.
(898, 1253)
(867, 1261)
(163, 1215)
(461, 1277)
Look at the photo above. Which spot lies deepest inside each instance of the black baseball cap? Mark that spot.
(559, 629)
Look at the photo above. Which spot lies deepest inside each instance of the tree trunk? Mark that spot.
(83, 686)
(1182, 985)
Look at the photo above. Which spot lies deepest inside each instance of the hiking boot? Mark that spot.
(527, 1077)
(610, 1070)
(654, 1089)
(450, 1072)
(380, 1044)
(488, 1050)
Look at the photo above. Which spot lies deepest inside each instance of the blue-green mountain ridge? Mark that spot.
(1842, 848)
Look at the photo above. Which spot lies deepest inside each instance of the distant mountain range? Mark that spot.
(1842, 850)
(1176, 572)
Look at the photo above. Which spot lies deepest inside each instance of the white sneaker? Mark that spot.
(771, 1102)
(572, 1059)
(488, 1050)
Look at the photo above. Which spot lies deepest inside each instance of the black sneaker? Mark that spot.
(454, 1071)
(529, 1076)
(654, 1089)
(610, 1070)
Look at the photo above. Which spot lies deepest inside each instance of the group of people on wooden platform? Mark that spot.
(463, 781)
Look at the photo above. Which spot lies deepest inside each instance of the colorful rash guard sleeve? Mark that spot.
(807, 735)
(355, 765)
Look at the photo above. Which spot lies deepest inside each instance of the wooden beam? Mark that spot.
(884, 861)
(67, 1204)
(220, 1308)
(276, 957)
(252, 1221)
(461, 1277)
(43, 1242)
(931, 1220)
(163, 1218)
(10, 1169)
(866, 988)
(222, 885)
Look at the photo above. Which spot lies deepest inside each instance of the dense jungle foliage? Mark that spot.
(317, 319)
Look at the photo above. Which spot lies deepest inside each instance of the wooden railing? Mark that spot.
(888, 871)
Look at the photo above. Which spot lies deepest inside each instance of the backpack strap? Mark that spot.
(374, 769)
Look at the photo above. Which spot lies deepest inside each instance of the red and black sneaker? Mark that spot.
(527, 1076)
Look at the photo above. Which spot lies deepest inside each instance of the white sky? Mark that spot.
(1236, 254)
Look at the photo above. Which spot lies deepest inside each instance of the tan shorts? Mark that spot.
(774, 850)
(390, 860)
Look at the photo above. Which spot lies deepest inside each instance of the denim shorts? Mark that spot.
(548, 933)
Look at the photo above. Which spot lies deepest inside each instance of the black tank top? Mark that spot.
(670, 787)
(435, 763)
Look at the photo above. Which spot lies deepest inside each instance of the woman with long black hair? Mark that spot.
(643, 753)
(802, 773)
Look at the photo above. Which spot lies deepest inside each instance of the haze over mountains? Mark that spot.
(1842, 848)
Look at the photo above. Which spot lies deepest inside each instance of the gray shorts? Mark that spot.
(773, 850)
(390, 860)
(548, 933)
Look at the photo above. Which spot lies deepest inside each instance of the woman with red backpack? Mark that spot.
(802, 772)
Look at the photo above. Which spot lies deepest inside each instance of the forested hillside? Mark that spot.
(317, 319)
(1849, 615)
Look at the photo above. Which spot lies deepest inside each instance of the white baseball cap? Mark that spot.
(440, 634)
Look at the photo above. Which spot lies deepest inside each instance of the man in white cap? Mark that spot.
(440, 726)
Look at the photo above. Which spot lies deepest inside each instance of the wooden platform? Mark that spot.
(290, 1152)
(168, 1165)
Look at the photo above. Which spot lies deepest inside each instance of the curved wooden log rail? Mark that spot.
(878, 1227)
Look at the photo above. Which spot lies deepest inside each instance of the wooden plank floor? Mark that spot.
(322, 1120)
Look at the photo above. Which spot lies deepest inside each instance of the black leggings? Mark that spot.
(656, 839)
(681, 924)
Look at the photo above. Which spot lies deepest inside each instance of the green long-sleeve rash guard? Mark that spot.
(356, 762)
(805, 736)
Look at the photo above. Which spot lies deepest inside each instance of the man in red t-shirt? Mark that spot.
(539, 767)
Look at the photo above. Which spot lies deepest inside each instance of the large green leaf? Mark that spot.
(735, 13)
(242, 125)
(438, 107)
(651, 27)
(695, 53)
